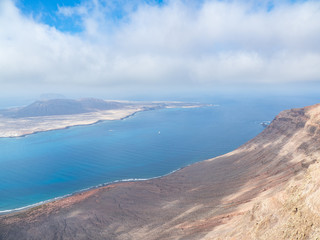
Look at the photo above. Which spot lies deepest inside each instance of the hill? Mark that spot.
(266, 189)
(62, 107)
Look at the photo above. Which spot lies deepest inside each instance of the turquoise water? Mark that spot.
(51, 164)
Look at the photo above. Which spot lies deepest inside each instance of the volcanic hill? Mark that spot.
(52, 107)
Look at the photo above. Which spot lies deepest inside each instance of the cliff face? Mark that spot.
(289, 210)
(266, 189)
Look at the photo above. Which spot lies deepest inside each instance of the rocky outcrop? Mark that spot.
(266, 189)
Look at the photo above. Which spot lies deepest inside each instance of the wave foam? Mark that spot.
(2, 212)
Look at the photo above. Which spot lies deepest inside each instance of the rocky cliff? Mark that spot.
(266, 189)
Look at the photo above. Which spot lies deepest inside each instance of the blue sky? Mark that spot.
(104, 44)
(47, 11)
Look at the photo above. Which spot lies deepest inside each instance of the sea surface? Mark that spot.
(52, 164)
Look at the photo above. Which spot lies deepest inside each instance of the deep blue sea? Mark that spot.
(52, 164)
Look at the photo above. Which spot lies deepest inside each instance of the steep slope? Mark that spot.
(291, 212)
(266, 189)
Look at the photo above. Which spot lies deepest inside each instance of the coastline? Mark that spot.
(87, 190)
(27, 132)
(220, 198)
(77, 125)
(22, 127)
(33, 205)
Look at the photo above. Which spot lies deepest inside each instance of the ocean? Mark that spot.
(53, 164)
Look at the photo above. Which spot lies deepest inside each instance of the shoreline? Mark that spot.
(101, 185)
(76, 125)
(86, 190)
(60, 122)
(258, 189)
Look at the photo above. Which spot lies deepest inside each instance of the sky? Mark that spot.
(98, 45)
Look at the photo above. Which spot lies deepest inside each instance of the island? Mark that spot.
(45, 115)
(266, 189)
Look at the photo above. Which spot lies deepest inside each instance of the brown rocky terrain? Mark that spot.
(266, 189)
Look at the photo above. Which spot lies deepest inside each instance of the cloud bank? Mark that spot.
(178, 43)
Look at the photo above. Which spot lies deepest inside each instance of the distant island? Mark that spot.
(45, 115)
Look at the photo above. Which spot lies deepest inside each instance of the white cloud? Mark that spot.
(177, 43)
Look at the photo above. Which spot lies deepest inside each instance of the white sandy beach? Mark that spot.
(15, 127)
